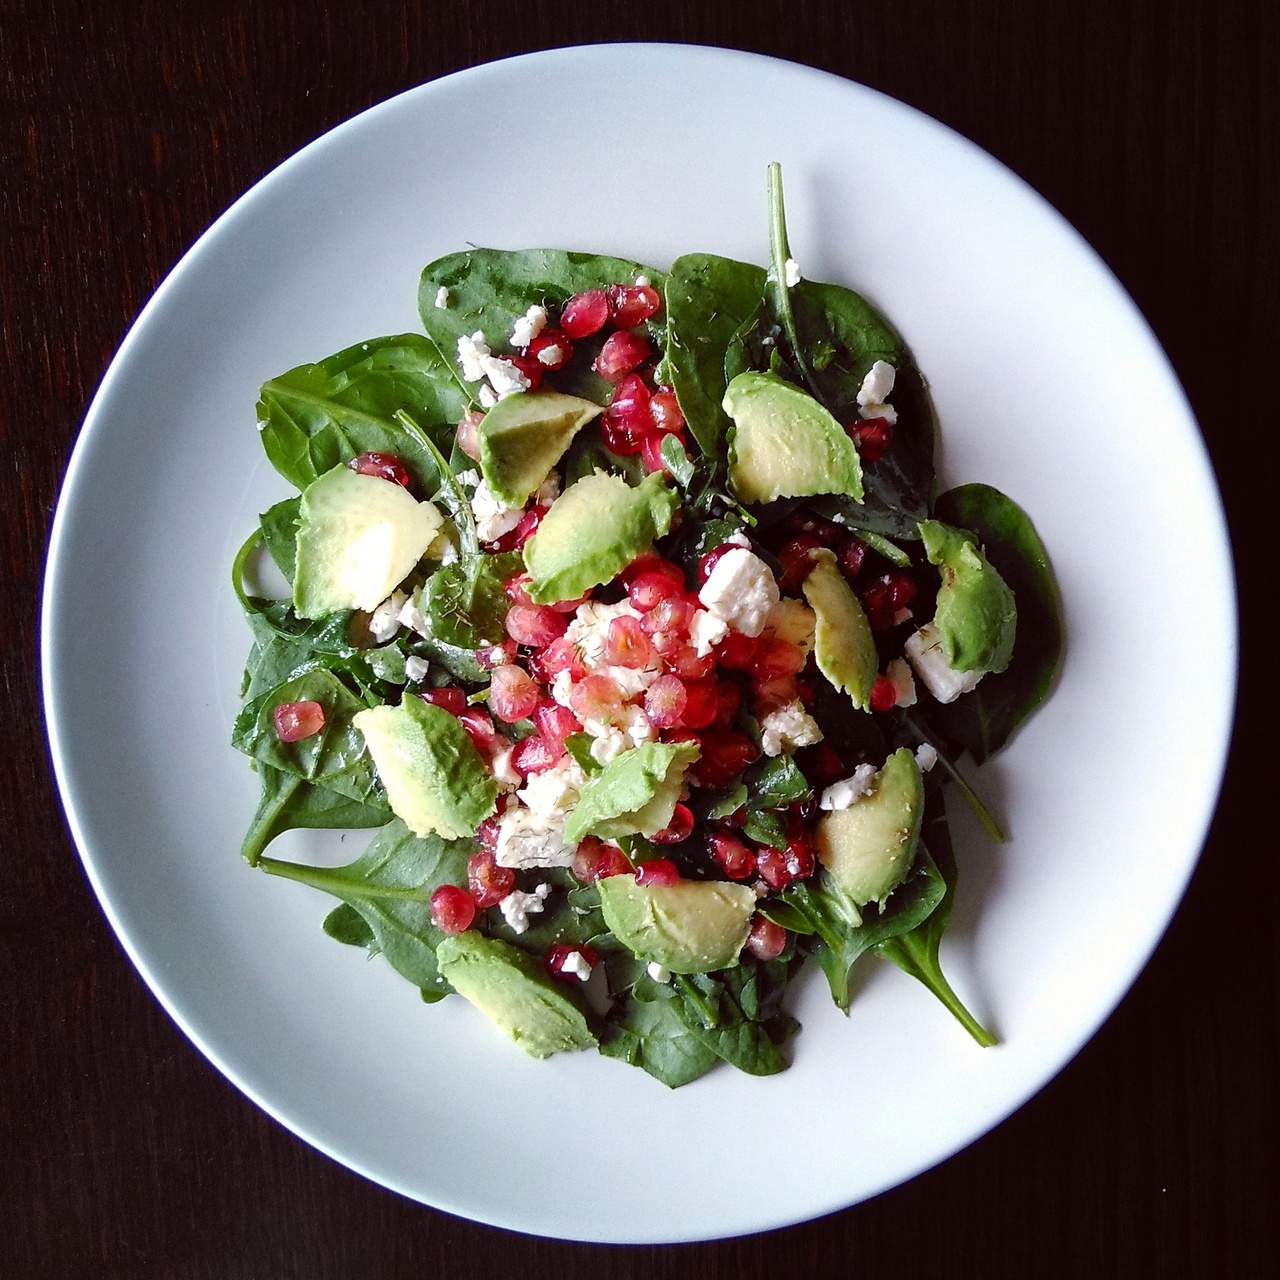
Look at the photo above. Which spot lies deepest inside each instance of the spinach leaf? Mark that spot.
(289, 802)
(649, 1034)
(737, 1014)
(984, 719)
(279, 525)
(345, 924)
(317, 416)
(390, 887)
(489, 288)
(713, 306)
(464, 602)
(776, 783)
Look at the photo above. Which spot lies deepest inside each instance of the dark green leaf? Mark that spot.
(776, 783)
(465, 604)
(289, 802)
(648, 1034)
(279, 527)
(345, 924)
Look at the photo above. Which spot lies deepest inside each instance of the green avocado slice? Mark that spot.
(694, 926)
(976, 615)
(634, 794)
(868, 848)
(435, 778)
(358, 537)
(508, 987)
(523, 436)
(843, 646)
(593, 530)
(785, 444)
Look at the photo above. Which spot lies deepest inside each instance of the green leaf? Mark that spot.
(465, 604)
(648, 1034)
(289, 802)
(279, 526)
(776, 783)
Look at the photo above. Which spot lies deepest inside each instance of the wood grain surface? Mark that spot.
(125, 129)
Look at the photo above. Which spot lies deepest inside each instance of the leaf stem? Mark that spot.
(331, 880)
(983, 814)
(779, 256)
(450, 491)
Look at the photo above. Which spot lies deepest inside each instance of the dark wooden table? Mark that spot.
(1154, 125)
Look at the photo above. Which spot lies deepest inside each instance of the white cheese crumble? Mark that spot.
(470, 477)
(706, 631)
(576, 964)
(740, 591)
(924, 649)
(789, 727)
(904, 685)
(791, 272)
(442, 298)
(553, 793)
(926, 756)
(551, 354)
(384, 621)
(411, 618)
(504, 772)
(548, 490)
(659, 972)
(588, 633)
(488, 397)
(875, 391)
(643, 281)
(415, 669)
(611, 740)
(518, 906)
(493, 516)
(528, 326)
(470, 352)
(504, 377)
(527, 840)
(841, 795)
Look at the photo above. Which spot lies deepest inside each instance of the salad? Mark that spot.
(622, 603)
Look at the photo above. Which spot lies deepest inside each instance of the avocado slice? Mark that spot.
(358, 537)
(435, 778)
(508, 987)
(785, 444)
(593, 530)
(634, 794)
(975, 615)
(523, 436)
(693, 926)
(868, 848)
(843, 646)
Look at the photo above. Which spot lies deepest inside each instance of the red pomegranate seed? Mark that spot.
(535, 624)
(386, 466)
(555, 723)
(902, 590)
(679, 828)
(766, 941)
(737, 652)
(297, 720)
(479, 726)
(585, 313)
(772, 867)
(730, 698)
(797, 560)
(822, 764)
(452, 699)
(530, 367)
(776, 657)
(672, 615)
(552, 349)
(651, 453)
(774, 693)
(665, 701)
(688, 664)
(851, 556)
(571, 606)
(622, 352)
(731, 855)
(660, 873)
(527, 527)
(596, 697)
(632, 304)
(884, 697)
(594, 860)
(651, 563)
(872, 438)
(701, 704)
(725, 754)
(469, 434)
(711, 559)
(877, 600)
(560, 655)
(517, 589)
(801, 851)
(489, 883)
(487, 834)
(665, 408)
(534, 754)
(452, 909)
(559, 961)
(626, 644)
(650, 589)
(513, 693)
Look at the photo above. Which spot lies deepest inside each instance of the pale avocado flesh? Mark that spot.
(508, 987)
(844, 648)
(635, 793)
(523, 436)
(868, 848)
(694, 926)
(975, 615)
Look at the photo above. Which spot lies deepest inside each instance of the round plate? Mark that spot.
(1021, 330)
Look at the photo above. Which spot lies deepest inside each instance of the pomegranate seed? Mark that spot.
(453, 700)
(823, 765)
(469, 434)
(766, 941)
(560, 964)
(489, 883)
(672, 614)
(701, 704)
(651, 453)
(679, 828)
(626, 644)
(596, 697)
(628, 422)
(801, 851)
(386, 466)
(452, 909)
(532, 369)
(297, 720)
(560, 655)
(725, 754)
(730, 697)
(902, 590)
(594, 860)
(776, 657)
(534, 754)
(797, 560)
(665, 701)
(535, 624)
(555, 723)
(711, 559)
(622, 352)
(737, 652)
(665, 408)
(884, 697)
(585, 313)
(571, 606)
(851, 557)
(479, 726)
(487, 834)
(731, 855)
(632, 304)
(877, 600)
(688, 664)
(513, 693)
(872, 438)
(496, 655)
(517, 589)
(660, 873)
(552, 349)
(772, 867)
(650, 563)
(650, 589)
(515, 538)
(774, 693)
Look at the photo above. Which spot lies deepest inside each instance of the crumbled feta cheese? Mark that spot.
(791, 272)
(488, 397)
(504, 377)
(740, 591)
(841, 795)
(577, 965)
(384, 621)
(659, 972)
(706, 631)
(926, 756)
(518, 906)
(526, 839)
(411, 618)
(874, 392)
(789, 727)
(442, 298)
(493, 516)
(904, 685)
(415, 669)
(589, 630)
(551, 354)
(553, 793)
(924, 649)
(471, 350)
(611, 740)
(737, 539)
(528, 326)
(643, 281)
(793, 621)
(504, 772)
(470, 477)
(562, 687)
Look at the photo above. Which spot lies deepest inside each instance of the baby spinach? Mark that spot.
(650, 1034)
(464, 602)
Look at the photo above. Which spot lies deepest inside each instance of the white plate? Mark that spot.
(1049, 385)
